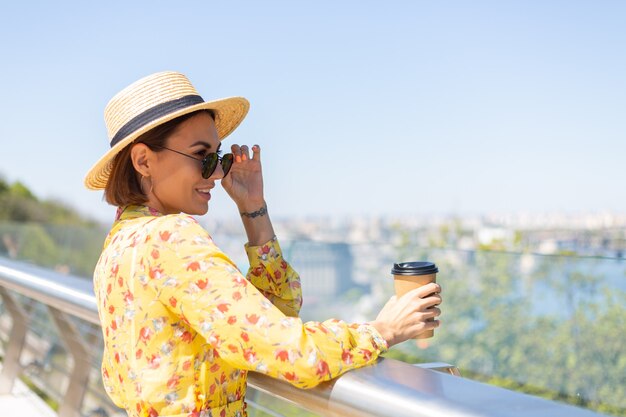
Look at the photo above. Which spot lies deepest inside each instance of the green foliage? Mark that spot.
(47, 233)
(544, 393)
(494, 330)
(402, 355)
(353, 295)
(19, 190)
(29, 241)
(19, 204)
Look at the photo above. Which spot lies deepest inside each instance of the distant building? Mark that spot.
(325, 268)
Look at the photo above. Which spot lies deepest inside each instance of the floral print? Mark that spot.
(182, 326)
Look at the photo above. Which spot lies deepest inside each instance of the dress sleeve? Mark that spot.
(271, 274)
(199, 283)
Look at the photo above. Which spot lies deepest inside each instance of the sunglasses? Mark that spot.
(209, 162)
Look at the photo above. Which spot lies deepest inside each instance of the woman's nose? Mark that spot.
(218, 174)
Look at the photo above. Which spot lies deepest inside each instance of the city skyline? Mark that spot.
(414, 108)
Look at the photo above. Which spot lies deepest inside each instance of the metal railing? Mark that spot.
(388, 388)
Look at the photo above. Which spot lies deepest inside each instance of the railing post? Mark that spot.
(446, 368)
(79, 378)
(11, 366)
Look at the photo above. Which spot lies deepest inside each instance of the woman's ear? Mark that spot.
(142, 158)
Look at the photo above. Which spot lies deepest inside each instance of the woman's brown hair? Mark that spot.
(124, 184)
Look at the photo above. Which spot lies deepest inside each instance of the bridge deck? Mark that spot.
(24, 403)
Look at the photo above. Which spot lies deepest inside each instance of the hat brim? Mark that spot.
(229, 113)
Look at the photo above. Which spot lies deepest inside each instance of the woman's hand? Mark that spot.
(244, 182)
(406, 317)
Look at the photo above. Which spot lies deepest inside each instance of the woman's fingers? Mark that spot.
(424, 290)
(245, 153)
(408, 316)
(242, 153)
(421, 327)
(432, 312)
(423, 301)
(433, 300)
(428, 293)
(256, 152)
(236, 150)
(432, 324)
(430, 288)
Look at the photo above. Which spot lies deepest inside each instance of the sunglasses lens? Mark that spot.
(227, 162)
(209, 163)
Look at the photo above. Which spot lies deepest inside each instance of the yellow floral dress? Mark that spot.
(182, 326)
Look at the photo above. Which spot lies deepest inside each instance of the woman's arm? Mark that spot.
(199, 283)
(271, 274)
(269, 271)
(244, 184)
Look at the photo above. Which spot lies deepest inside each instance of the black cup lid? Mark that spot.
(414, 268)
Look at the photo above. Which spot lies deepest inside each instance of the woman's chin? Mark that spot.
(198, 210)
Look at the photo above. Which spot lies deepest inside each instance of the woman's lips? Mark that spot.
(204, 193)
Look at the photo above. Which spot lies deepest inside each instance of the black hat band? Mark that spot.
(153, 114)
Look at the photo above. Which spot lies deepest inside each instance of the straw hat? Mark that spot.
(150, 102)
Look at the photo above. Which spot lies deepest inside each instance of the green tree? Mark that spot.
(28, 242)
(4, 187)
(495, 329)
(20, 190)
(48, 233)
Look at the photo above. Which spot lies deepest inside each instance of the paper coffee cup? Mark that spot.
(410, 275)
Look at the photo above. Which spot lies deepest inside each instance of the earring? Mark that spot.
(142, 187)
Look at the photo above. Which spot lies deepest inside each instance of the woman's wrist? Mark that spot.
(385, 331)
(257, 223)
(260, 210)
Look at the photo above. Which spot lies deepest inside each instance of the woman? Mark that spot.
(182, 326)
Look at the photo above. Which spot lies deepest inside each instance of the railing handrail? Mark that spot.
(68, 293)
(388, 388)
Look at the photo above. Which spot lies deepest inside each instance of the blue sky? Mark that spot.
(379, 108)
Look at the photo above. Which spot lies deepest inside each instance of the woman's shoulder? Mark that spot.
(181, 223)
(181, 234)
(180, 219)
(158, 231)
